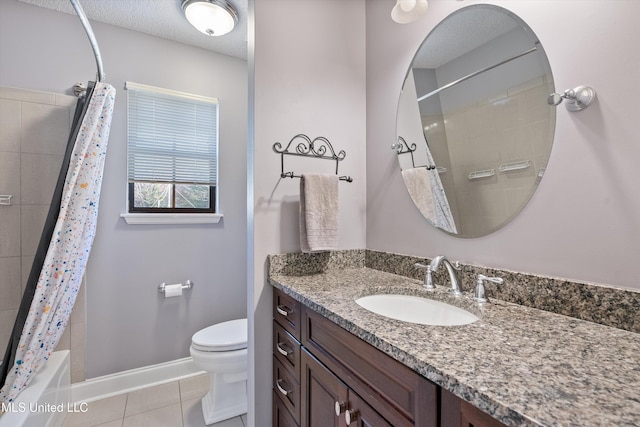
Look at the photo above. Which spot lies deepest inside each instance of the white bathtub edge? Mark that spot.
(134, 379)
(49, 391)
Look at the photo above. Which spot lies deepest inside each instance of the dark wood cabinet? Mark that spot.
(327, 401)
(474, 417)
(398, 394)
(456, 412)
(324, 376)
(321, 390)
(286, 360)
(281, 415)
(360, 414)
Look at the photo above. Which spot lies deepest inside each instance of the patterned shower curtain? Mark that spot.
(69, 248)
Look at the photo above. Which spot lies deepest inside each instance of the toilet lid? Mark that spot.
(225, 336)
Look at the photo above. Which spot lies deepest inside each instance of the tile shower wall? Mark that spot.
(34, 127)
(473, 129)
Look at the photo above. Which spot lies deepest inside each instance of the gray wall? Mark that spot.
(583, 223)
(309, 78)
(128, 324)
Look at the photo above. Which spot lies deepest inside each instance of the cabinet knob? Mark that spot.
(350, 416)
(340, 408)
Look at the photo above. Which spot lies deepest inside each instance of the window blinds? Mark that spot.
(172, 136)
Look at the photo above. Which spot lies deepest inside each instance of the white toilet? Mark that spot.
(221, 350)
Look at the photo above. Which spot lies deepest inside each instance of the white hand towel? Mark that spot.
(318, 212)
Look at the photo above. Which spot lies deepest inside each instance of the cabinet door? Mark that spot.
(361, 414)
(320, 392)
(470, 416)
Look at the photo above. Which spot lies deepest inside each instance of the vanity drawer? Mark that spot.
(281, 416)
(286, 311)
(286, 349)
(287, 388)
(400, 395)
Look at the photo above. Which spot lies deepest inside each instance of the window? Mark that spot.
(172, 151)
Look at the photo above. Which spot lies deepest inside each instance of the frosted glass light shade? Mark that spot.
(210, 17)
(406, 11)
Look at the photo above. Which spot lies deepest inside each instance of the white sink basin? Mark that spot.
(416, 310)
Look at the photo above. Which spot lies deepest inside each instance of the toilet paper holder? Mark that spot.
(186, 285)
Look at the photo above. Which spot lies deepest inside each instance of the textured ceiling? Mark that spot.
(165, 19)
(161, 18)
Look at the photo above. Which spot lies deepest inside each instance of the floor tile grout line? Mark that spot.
(126, 403)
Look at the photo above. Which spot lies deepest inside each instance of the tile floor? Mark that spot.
(175, 404)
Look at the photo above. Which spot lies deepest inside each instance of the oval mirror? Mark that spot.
(474, 129)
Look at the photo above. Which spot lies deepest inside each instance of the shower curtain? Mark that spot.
(60, 263)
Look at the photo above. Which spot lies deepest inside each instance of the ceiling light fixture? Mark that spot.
(211, 17)
(406, 11)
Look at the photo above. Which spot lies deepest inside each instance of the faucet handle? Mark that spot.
(479, 291)
(428, 279)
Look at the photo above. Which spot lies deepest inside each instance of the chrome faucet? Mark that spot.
(453, 275)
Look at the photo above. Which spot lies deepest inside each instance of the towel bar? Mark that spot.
(316, 148)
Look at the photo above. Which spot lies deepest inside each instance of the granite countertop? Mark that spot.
(523, 366)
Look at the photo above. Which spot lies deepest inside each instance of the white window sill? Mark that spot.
(169, 218)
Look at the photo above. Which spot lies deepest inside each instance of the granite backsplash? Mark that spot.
(618, 308)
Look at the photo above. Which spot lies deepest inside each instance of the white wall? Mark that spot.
(128, 324)
(309, 78)
(583, 223)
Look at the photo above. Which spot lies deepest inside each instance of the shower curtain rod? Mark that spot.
(92, 38)
(475, 73)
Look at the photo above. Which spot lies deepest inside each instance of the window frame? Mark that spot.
(134, 211)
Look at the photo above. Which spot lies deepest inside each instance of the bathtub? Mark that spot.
(46, 401)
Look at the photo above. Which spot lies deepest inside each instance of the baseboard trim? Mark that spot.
(134, 379)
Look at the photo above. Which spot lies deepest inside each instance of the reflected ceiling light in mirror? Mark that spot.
(211, 17)
(406, 11)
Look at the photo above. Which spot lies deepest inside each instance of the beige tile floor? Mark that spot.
(175, 404)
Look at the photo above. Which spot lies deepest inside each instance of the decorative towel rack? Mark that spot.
(319, 148)
(402, 147)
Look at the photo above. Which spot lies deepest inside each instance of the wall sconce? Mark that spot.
(406, 11)
(211, 17)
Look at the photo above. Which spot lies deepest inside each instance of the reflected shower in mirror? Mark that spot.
(474, 104)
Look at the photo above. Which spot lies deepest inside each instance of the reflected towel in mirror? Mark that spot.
(419, 186)
(426, 191)
(318, 212)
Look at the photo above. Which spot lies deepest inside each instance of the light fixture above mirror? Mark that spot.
(211, 17)
(406, 11)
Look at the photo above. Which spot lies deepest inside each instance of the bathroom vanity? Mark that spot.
(324, 375)
(335, 362)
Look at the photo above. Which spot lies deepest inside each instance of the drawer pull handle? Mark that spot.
(283, 349)
(340, 407)
(350, 416)
(283, 310)
(281, 389)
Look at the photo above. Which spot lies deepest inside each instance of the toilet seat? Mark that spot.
(225, 336)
